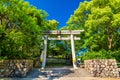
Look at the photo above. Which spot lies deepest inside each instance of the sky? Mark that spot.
(59, 10)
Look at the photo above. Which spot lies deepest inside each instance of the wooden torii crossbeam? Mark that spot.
(71, 37)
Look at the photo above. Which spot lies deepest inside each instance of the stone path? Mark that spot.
(56, 73)
(64, 73)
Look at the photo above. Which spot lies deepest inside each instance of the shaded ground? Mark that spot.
(64, 73)
(56, 73)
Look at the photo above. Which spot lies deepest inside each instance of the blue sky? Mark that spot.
(59, 10)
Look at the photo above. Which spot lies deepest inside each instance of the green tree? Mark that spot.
(51, 24)
(101, 21)
(20, 28)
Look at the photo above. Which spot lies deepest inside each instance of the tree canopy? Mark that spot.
(20, 28)
(101, 21)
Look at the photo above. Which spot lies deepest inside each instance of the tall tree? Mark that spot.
(20, 27)
(101, 21)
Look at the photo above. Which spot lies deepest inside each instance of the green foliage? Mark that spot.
(96, 55)
(3, 58)
(102, 54)
(58, 49)
(59, 57)
(50, 24)
(101, 22)
(20, 28)
(116, 55)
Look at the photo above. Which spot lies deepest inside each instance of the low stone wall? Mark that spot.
(102, 67)
(15, 68)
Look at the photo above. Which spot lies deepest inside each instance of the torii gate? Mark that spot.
(71, 37)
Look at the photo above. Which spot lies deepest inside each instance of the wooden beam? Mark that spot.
(62, 31)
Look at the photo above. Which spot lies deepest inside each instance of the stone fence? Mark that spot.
(102, 67)
(15, 68)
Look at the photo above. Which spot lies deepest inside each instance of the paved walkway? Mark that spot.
(64, 73)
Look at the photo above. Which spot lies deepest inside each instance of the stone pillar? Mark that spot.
(45, 52)
(73, 52)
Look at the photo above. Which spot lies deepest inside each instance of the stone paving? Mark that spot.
(56, 73)
(64, 73)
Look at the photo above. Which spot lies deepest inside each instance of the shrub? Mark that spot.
(102, 54)
(116, 55)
